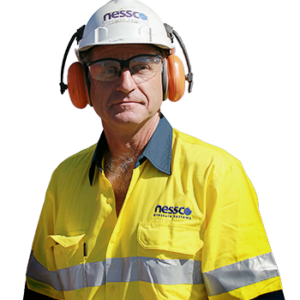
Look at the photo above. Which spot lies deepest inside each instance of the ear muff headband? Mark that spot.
(77, 85)
(189, 76)
(78, 35)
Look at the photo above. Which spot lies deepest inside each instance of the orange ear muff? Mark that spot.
(176, 78)
(77, 86)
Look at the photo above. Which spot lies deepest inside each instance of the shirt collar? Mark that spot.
(158, 150)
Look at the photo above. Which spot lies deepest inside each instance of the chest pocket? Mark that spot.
(68, 251)
(173, 238)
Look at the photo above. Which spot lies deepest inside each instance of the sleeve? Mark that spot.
(271, 296)
(237, 261)
(42, 276)
(31, 295)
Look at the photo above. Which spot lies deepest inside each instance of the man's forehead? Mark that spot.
(121, 50)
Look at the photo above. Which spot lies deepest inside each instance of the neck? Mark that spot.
(131, 141)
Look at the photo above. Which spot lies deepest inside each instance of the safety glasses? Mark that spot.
(142, 67)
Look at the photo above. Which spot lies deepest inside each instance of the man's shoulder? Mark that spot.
(197, 149)
(78, 161)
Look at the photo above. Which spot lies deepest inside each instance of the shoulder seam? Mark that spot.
(210, 146)
(80, 153)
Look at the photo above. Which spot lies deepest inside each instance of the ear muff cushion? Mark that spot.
(176, 78)
(77, 86)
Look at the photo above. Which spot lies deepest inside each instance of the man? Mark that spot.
(148, 212)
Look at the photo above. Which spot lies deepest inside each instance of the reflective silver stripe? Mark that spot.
(122, 269)
(129, 269)
(38, 272)
(240, 274)
(153, 270)
(81, 276)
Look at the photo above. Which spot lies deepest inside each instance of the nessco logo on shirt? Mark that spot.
(172, 212)
(125, 15)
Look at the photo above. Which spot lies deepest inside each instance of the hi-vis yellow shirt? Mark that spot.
(189, 228)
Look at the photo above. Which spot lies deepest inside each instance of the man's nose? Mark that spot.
(125, 82)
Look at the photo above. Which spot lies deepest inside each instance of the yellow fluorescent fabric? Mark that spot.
(174, 236)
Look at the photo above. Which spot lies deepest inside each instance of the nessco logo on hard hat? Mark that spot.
(124, 15)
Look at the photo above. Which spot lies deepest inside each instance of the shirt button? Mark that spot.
(112, 288)
(109, 200)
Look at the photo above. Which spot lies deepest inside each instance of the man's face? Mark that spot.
(123, 101)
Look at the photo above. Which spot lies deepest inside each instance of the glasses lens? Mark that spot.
(105, 70)
(144, 64)
(142, 68)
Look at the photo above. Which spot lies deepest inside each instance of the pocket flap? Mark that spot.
(64, 241)
(178, 238)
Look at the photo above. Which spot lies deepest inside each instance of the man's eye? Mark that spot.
(105, 73)
(140, 68)
(108, 71)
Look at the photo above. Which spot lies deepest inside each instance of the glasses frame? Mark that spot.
(123, 64)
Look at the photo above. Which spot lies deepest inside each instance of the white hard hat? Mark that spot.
(124, 22)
